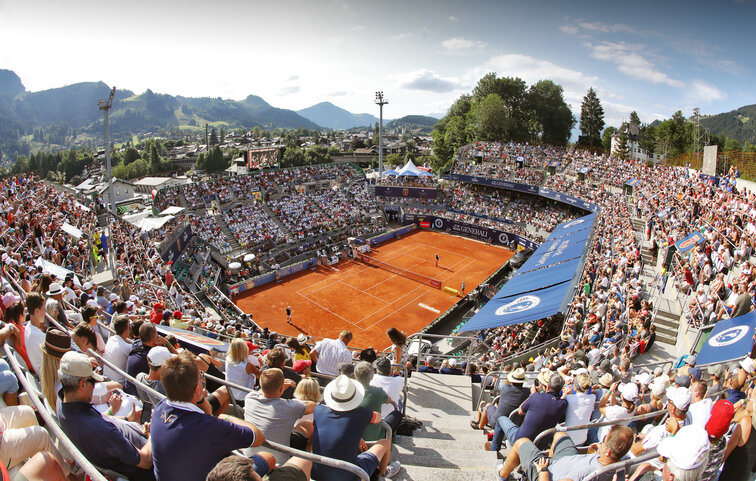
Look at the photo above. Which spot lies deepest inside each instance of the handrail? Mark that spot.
(50, 422)
(317, 458)
(492, 374)
(647, 365)
(578, 427)
(652, 454)
(405, 388)
(126, 375)
(270, 444)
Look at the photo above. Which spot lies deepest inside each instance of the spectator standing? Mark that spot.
(117, 348)
(34, 330)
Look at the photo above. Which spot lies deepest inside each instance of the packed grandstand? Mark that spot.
(86, 364)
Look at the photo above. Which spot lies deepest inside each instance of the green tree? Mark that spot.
(292, 157)
(213, 137)
(317, 154)
(222, 137)
(634, 119)
(154, 159)
(553, 117)
(606, 138)
(256, 132)
(591, 119)
(731, 144)
(376, 134)
(749, 147)
(674, 136)
(215, 161)
(130, 155)
(200, 164)
(623, 150)
(647, 140)
(491, 118)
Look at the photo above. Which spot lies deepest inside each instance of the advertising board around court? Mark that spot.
(485, 234)
(176, 247)
(415, 192)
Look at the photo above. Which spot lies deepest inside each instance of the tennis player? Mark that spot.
(437, 258)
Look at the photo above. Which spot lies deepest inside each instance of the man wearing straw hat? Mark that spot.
(339, 425)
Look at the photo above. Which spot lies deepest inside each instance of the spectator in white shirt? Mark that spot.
(392, 385)
(34, 333)
(700, 407)
(117, 348)
(579, 407)
(330, 353)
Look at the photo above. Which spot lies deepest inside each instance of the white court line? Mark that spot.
(365, 292)
(328, 310)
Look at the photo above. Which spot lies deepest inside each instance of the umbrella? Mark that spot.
(235, 265)
(249, 258)
(423, 173)
(390, 172)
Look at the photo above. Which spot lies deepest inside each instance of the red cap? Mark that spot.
(251, 346)
(158, 305)
(720, 418)
(301, 365)
(177, 314)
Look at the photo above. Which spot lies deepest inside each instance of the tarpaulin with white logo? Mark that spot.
(531, 306)
(731, 339)
(684, 245)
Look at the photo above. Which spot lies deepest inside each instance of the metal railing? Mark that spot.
(580, 427)
(316, 458)
(622, 465)
(50, 423)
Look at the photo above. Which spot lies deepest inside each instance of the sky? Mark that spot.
(654, 57)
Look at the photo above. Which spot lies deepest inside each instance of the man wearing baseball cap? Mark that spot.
(717, 426)
(100, 440)
(155, 359)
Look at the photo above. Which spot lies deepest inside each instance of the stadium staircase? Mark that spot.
(445, 447)
(667, 319)
(272, 216)
(182, 200)
(230, 238)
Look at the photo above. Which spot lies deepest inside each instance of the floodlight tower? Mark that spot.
(381, 102)
(105, 106)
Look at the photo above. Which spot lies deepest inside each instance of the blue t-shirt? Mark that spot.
(337, 435)
(100, 441)
(136, 363)
(735, 395)
(452, 370)
(542, 411)
(186, 445)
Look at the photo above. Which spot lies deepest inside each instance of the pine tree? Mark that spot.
(213, 137)
(591, 119)
(623, 150)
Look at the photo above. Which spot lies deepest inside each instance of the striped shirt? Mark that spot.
(331, 353)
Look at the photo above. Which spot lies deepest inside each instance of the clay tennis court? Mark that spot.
(368, 300)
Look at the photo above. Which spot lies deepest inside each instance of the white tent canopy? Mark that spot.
(60, 272)
(145, 222)
(172, 210)
(409, 169)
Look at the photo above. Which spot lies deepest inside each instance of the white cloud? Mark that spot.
(629, 61)
(605, 27)
(570, 29)
(460, 43)
(702, 92)
(428, 81)
(289, 90)
(359, 28)
(616, 113)
(453, 18)
(402, 36)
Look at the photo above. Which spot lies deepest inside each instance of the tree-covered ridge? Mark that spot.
(739, 124)
(503, 109)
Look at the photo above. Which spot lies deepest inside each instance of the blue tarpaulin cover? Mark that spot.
(731, 339)
(541, 285)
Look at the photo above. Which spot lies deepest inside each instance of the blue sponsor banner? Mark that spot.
(684, 245)
(633, 182)
(584, 170)
(174, 250)
(485, 234)
(502, 184)
(731, 339)
(554, 163)
(519, 308)
(416, 192)
(571, 227)
(567, 199)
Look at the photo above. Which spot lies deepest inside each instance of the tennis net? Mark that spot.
(402, 272)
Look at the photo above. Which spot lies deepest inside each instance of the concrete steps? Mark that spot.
(446, 447)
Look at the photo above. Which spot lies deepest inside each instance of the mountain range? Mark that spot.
(68, 116)
(739, 124)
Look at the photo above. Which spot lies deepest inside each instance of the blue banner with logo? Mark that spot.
(174, 250)
(567, 228)
(684, 245)
(194, 341)
(485, 234)
(731, 339)
(519, 308)
(567, 199)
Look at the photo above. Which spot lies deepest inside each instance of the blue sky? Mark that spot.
(654, 57)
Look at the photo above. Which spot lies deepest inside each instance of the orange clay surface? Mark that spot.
(368, 300)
